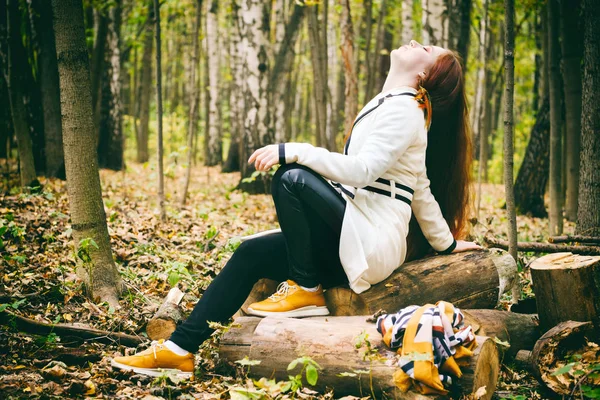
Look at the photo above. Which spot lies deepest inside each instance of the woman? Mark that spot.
(353, 230)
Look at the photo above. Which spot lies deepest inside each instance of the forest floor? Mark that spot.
(38, 281)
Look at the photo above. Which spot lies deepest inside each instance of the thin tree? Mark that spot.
(588, 214)
(407, 21)
(319, 66)
(555, 217)
(213, 136)
(509, 71)
(571, 71)
(145, 87)
(159, 114)
(480, 98)
(351, 106)
(88, 220)
(192, 123)
(15, 63)
(463, 40)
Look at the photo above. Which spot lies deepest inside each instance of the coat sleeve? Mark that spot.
(393, 131)
(430, 218)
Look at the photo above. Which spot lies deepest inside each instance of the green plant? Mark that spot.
(586, 375)
(311, 373)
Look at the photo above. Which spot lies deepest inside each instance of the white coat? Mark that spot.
(390, 143)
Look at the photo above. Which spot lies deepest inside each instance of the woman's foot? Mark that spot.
(156, 361)
(291, 300)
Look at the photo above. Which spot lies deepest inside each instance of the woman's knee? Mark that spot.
(289, 174)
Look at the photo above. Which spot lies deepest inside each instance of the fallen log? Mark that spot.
(574, 239)
(551, 352)
(536, 247)
(164, 322)
(566, 287)
(350, 365)
(518, 331)
(474, 279)
(80, 331)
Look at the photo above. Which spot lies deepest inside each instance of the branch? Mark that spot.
(574, 238)
(544, 247)
(81, 331)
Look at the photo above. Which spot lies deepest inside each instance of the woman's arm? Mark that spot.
(393, 131)
(432, 222)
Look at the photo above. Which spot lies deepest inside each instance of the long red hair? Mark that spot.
(448, 157)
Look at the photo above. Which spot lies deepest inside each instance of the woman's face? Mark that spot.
(414, 57)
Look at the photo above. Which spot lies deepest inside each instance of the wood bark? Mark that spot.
(49, 89)
(566, 338)
(97, 58)
(574, 238)
(15, 61)
(481, 98)
(110, 128)
(373, 70)
(407, 21)
(159, 114)
(532, 178)
(555, 216)
(236, 101)
(520, 331)
(350, 73)
(88, 219)
(425, 281)
(434, 25)
(567, 287)
(164, 322)
(252, 46)
(214, 142)
(571, 40)
(332, 343)
(320, 81)
(145, 87)
(193, 111)
(509, 71)
(588, 214)
(544, 247)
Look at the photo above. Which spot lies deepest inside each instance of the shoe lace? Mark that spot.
(156, 344)
(282, 290)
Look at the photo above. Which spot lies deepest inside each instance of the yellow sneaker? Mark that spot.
(156, 361)
(290, 300)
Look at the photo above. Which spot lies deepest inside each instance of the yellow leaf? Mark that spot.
(68, 317)
(90, 387)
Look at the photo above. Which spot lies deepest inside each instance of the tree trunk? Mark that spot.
(373, 69)
(553, 349)
(253, 89)
(567, 287)
(509, 65)
(462, 45)
(350, 73)
(435, 23)
(236, 101)
(571, 71)
(15, 61)
(332, 343)
(145, 87)
(192, 117)
(408, 31)
(480, 94)
(88, 220)
(588, 214)
(214, 141)
(159, 115)
(495, 271)
(555, 217)
(110, 129)
(533, 174)
(320, 81)
(98, 59)
(49, 88)
(164, 322)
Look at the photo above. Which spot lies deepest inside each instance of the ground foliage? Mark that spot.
(38, 281)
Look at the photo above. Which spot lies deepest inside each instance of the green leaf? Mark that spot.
(311, 374)
(173, 278)
(564, 369)
(3, 307)
(346, 374)
(246, 361)
(292, 365)
(501, 343)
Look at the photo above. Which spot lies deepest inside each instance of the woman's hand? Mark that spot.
(462, 245)
(265, 157)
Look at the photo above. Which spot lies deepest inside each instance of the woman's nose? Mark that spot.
(414, 43)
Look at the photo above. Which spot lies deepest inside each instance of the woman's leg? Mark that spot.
(261, 257)
(310, 213)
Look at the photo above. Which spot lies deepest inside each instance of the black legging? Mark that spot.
(310, 213)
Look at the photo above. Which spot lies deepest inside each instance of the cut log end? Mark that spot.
(159, 328)
(481, 376)
(167, 317)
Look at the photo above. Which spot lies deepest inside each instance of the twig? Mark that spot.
(81, 331)
(544, 247)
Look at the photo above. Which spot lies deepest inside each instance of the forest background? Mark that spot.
(169, 131)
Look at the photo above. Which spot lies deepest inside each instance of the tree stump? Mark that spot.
(333, 342)
(474, 279)
(553, 348)
(567, 287)
(167, 317)
(520, 331)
